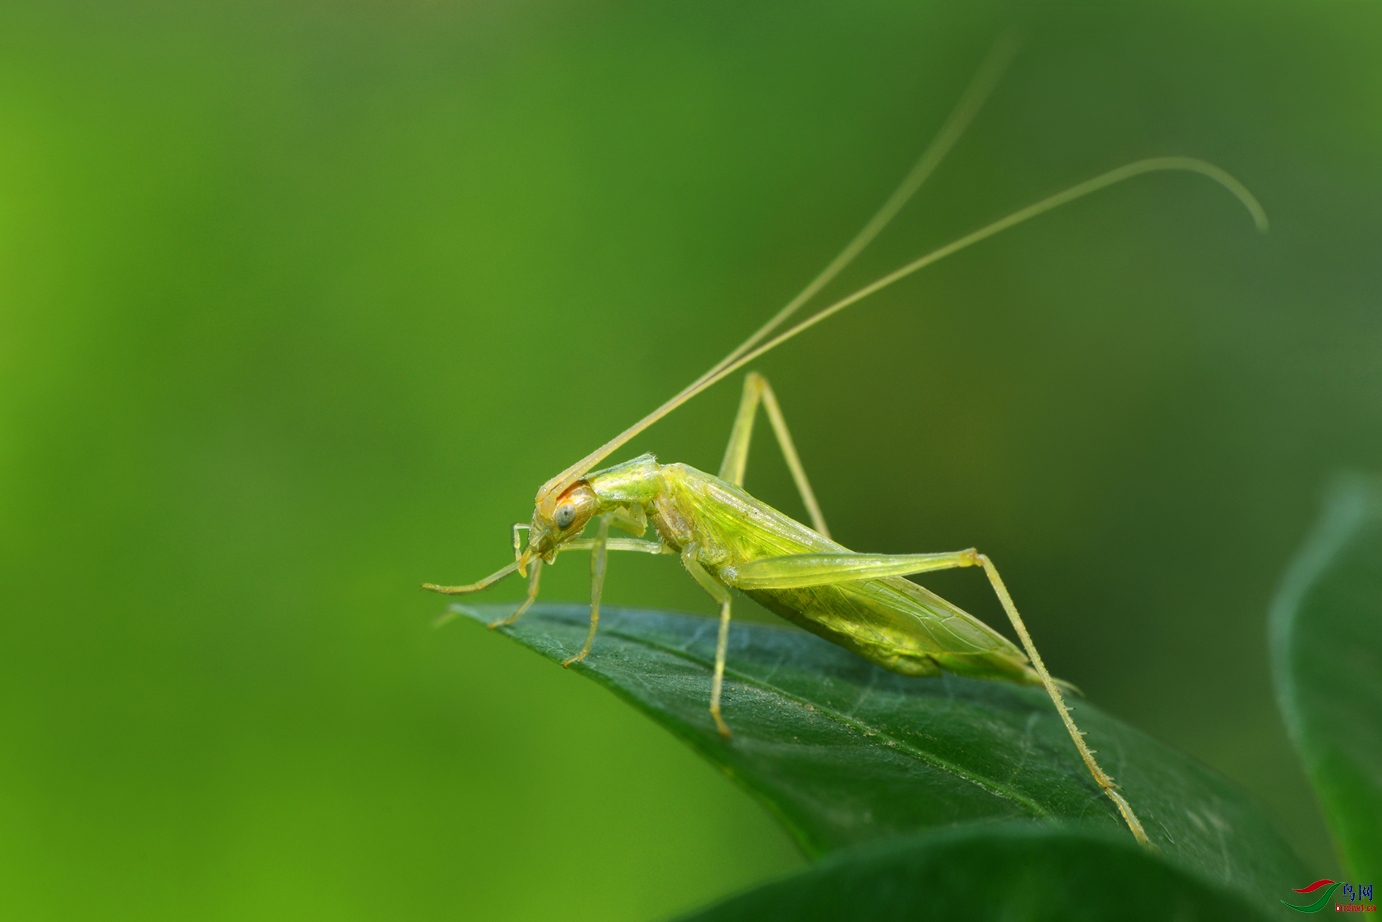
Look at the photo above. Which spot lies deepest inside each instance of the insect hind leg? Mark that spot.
(1103, 778)
(758, 391)
(799, 570)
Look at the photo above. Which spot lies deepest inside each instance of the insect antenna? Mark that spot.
(979, 89)
(1102, 181)
(980, 86)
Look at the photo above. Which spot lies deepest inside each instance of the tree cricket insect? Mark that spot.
(727, 539)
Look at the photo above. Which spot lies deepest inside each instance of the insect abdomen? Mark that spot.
(890, 620)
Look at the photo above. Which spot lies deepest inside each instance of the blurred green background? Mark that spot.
(299, 304)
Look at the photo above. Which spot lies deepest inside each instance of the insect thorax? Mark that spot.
(642, 483)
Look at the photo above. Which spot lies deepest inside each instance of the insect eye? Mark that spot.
(566, 514)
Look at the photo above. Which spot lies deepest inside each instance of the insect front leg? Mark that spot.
(757, 390)
(598, 557)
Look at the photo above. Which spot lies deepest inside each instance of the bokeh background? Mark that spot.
(300, 302)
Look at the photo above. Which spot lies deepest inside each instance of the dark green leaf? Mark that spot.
(844, 752)
(978, 873)
(1327, 664)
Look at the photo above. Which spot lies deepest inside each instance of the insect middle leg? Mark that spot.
(800, 570)
(720, 594)
(757, 390)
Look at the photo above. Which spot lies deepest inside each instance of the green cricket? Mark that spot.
(727, 539)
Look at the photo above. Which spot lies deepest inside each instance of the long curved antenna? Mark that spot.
(1151, 165)
(978, 91)
(1137, 168)
(980, 86)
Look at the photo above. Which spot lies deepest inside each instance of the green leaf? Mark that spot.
(976, 873)
(1326, 639)
(844, 752)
